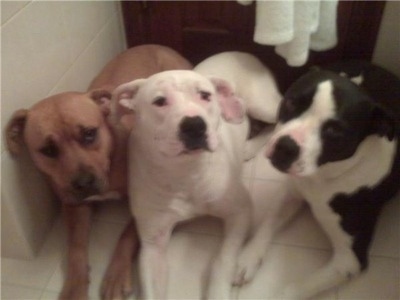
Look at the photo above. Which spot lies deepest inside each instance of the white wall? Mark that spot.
(387, 49)
(47, 48)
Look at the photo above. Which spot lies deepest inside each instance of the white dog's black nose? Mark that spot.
(286, 151)
(192, 132)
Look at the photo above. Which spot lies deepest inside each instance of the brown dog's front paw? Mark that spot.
(75, 290)
(117, 282)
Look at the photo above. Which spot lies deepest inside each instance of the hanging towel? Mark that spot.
(295, 26)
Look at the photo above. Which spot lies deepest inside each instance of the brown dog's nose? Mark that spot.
(84, 182)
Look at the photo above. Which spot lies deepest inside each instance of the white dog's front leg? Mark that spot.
(223, 268)
(153, 271)
(155, 232)
(250, 258)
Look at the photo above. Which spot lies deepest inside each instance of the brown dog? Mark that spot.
(71, 140)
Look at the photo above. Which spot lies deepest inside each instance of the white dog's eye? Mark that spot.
(160, 101)
(205, 95)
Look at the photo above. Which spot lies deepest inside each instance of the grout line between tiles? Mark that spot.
(301, 246)
(110, 221)
(16, 13)
(199, 233)
(202, 233)
(267, 179)
(44, 291)
(21, 285)
(253, 169)
(51, 276)
(384, 256)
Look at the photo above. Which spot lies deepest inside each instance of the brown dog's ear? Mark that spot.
(103, 99)
(232, 107)
(15, 131)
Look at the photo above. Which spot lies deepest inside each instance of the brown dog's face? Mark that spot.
(69, 140)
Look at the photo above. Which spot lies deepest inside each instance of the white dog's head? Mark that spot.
(178, 112)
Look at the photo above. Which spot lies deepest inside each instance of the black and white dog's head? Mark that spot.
(323, 118)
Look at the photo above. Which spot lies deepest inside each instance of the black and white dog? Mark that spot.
(339, 142)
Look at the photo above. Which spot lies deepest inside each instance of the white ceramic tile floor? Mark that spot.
(300, 248)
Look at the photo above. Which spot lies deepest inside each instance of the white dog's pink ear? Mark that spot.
(232, 107)
(124, 98)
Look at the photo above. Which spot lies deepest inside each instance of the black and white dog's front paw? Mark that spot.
(249, 261)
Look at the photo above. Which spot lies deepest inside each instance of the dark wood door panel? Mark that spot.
(198, 29)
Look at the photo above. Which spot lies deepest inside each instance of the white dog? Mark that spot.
(185, 161)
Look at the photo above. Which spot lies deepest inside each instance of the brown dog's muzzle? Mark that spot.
(85, 184)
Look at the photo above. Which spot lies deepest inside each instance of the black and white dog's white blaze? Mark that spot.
(338, 138)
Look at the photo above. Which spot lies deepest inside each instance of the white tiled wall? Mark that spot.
(47, 48)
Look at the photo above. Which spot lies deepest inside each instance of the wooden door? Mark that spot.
(199, 29)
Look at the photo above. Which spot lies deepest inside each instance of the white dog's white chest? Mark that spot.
(187, 189)
(202, 190)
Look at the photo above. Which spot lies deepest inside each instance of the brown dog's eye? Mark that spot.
(205, 96)
(50, 150)
(88, 135)
(160, 101)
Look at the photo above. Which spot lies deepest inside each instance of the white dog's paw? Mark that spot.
(246, 268)
(249, 152)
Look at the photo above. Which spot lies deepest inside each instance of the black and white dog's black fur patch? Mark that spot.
(338, 138)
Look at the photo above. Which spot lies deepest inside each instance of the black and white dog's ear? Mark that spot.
(383, 123)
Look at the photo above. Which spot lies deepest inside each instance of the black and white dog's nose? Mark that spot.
(192, 132)
(285, 153)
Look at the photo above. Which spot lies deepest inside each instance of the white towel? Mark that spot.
(295, 26)
(326, 36)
